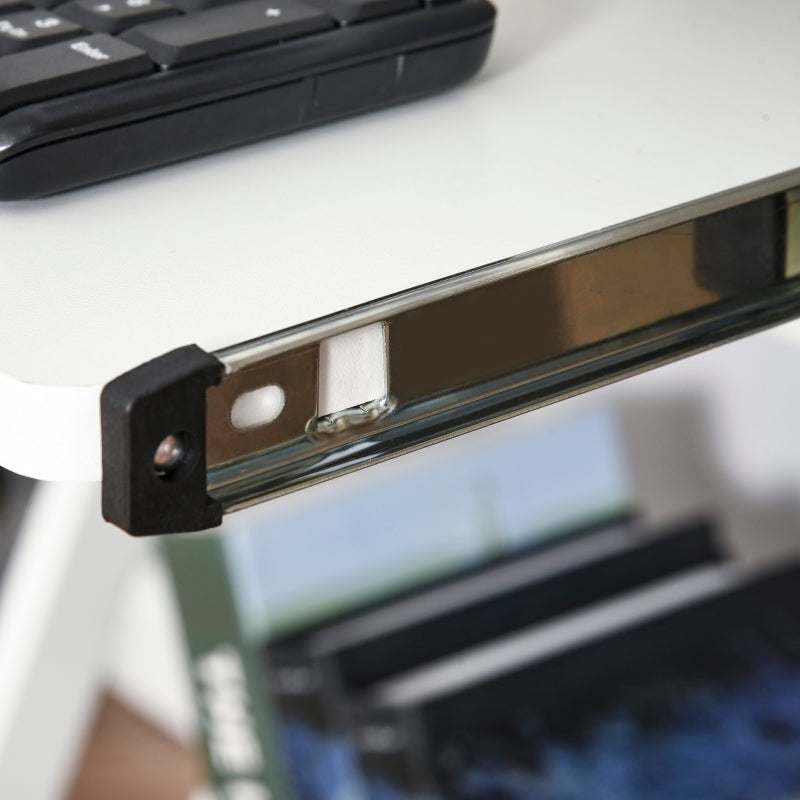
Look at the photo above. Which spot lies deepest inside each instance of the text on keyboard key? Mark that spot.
(27, 29)
(113, 16)
(226, 29)
(57, 69)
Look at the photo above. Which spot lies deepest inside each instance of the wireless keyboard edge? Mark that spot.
(65, 143)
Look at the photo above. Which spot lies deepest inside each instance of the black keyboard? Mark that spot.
(93, 89)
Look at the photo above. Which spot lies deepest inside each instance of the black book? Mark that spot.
(685, 690)
(317, 678)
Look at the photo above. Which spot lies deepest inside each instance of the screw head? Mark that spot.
(169, 454)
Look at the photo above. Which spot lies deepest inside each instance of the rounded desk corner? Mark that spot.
(50, 433)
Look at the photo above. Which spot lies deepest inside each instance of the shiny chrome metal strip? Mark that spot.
(494, 342)
(300, 463)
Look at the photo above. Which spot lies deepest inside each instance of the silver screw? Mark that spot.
(169, 454)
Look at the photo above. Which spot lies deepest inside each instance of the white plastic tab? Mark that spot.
(352, 368)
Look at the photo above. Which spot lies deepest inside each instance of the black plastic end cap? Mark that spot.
(153, 422)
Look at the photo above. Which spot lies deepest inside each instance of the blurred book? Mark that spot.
(319, 677)
(688, 689)
(286, 568)
(489, 621)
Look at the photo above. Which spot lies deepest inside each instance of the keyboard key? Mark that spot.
(113, 16)
(66, 67)
(358, 10)
(33, 29)
(7, 6)
(190, 6)
(224, 30)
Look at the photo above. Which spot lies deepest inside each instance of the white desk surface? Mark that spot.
(589, 112)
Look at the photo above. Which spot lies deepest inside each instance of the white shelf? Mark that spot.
(588, 113)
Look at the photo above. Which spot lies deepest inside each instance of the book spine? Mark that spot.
(239, 728)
